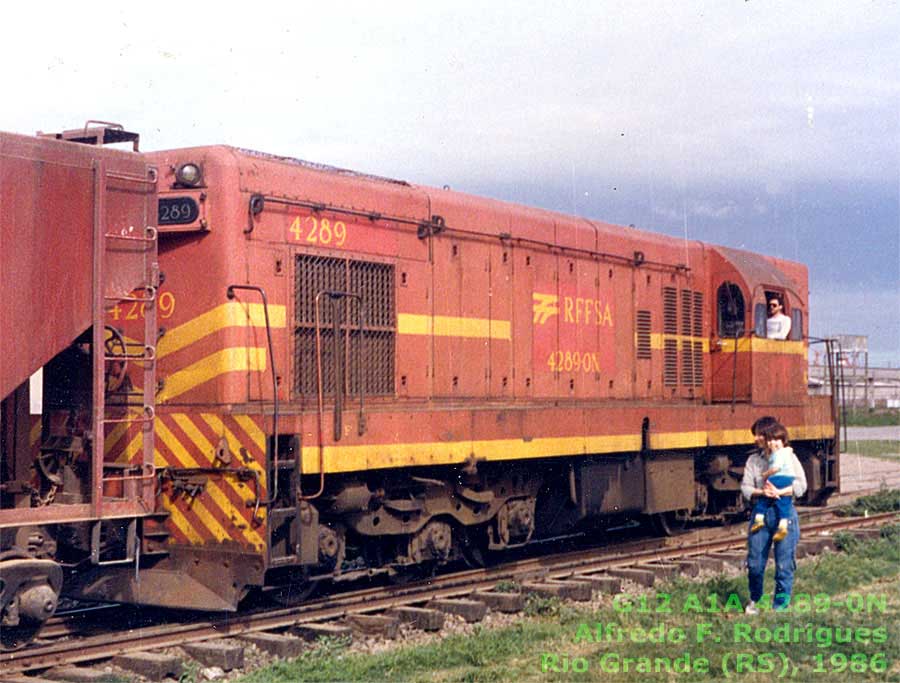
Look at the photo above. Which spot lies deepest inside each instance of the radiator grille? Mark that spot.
(670, 310)
(374, 283)
(687, 346)
(698, 364)
(698, 314)
(643, 335)
(698, 345)
(686, 312)
(670, 362)
(682, 325)
(670, 346)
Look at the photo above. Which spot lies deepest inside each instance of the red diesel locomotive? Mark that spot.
(325, 374)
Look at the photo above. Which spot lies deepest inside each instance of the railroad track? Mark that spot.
(67, 621)
(571, 575)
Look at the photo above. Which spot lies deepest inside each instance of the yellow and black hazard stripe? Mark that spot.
(223, 509)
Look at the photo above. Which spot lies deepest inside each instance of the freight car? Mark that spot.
(76, 236)
(332, 374)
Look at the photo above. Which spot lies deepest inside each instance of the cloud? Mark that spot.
(717, 210)
(705, 208)
(765, 124)
(667, 213)
(700, 91)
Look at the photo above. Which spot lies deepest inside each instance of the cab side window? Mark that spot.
(796, 333)
(731, 310)
(759, 320)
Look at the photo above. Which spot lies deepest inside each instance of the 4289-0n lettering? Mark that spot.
(663, 603)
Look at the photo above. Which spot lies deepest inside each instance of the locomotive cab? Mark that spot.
(748, 366)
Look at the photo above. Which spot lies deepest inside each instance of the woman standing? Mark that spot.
(754, 485)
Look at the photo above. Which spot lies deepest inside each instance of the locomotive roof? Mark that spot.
(754, 267)
(445, 194)
(315, 166)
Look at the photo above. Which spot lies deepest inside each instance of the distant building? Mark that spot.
(862, 386)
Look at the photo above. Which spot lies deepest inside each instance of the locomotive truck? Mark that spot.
(226, 371)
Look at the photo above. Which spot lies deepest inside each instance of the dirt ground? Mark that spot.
(859, 473)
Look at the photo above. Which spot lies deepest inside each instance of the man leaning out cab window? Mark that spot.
(778, 325)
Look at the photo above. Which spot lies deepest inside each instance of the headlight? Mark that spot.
(189, 175)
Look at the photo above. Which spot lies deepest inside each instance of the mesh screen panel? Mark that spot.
(374, 284)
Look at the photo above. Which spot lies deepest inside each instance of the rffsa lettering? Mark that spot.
(580, 311)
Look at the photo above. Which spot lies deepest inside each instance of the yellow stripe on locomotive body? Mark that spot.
(185, 528)
(231, 314)
(658, 340)
(234, 443)
(745, 345)
(215, 510)
(252, 430)
(225, 507)
(762, 345)
(450, 326)
(339, 459)
(238, 359)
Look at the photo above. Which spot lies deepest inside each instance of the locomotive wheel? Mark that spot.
(29, 592)
(667, 523)
(15, 637)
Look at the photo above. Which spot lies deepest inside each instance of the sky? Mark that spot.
(770, 126)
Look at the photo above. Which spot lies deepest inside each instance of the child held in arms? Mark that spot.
(781, 474)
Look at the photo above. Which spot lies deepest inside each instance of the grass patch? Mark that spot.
(855, 545)
(883, 449)
(886, 417)
(458, 658)
(880, 417)
(885, 500)
(539, 606)
(868, 576)
(191, 672)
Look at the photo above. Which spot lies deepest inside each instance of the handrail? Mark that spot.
(333, 296)
(835, 385)
(231, 295)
